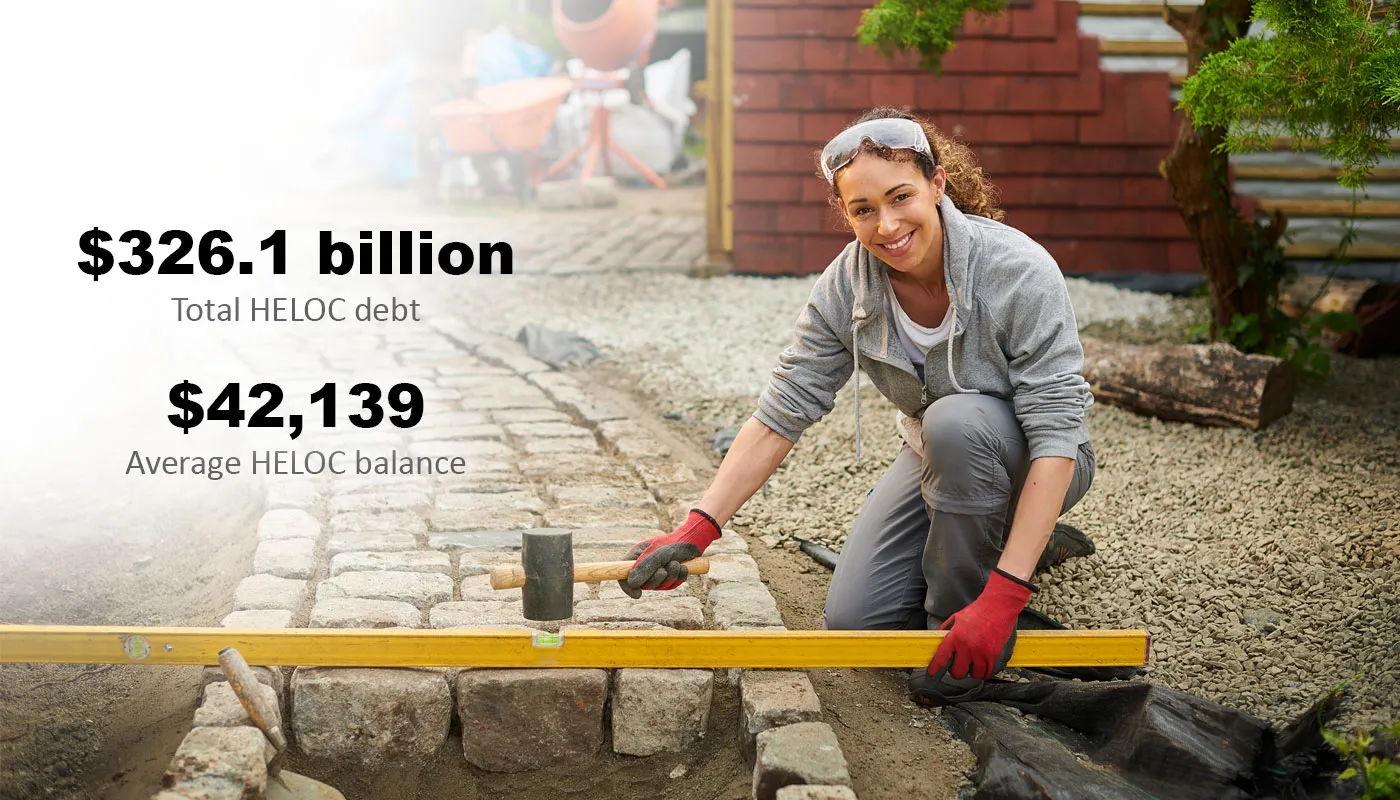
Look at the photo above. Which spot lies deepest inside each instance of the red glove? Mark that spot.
(974, 644)
(660, 559)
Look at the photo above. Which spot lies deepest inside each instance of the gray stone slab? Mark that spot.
(471, 451)
(288, 523)
(219, 763)
(480, 562)
(267, 676)
(610, 590)
(655, 710)
(548, 430)
(804, 753)
(293, 494)
(738, 605)
(467, 541)
(476, 614)
(354, 612)
(524, 500)
(222, 709)
(642, 447)
(772, 698)
(496, 519)
(731, 568)
(558, 446)
(285, 558)
(657, 472)
(266, 592)
(387, 522)
(453, 419)
(728, 542)
(274, 618)
(378, 503)
(518, 720)
(618, 428)
(372, 717)
(411, 561)
(422, 589)
(508, 416)
(602, 497)
(594, 517)
(682, 613)
(372, 542)
(559, 468)
(484, 482)
(388, 484)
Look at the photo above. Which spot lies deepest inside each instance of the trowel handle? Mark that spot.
(512, 576)
(245, 687)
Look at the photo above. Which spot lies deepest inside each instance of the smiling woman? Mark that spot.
(965, 325)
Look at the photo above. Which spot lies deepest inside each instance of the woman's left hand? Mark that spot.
(978, 633)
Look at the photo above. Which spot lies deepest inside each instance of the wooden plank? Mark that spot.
(328, 647)
(1325, 250)
(1137, 47)
(1330, 207)
(1307, 173)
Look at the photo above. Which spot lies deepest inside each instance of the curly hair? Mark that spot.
(967, 187)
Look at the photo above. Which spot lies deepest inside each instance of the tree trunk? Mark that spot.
(1198, 175)
(1206, 384)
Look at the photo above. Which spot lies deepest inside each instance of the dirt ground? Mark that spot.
(85, 557)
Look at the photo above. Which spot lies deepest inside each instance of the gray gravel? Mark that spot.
(1265, 564)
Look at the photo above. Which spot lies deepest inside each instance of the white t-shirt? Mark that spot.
(916, 338)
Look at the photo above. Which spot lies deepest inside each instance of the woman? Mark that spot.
(965, 325)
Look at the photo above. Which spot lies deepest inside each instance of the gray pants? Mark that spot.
(906, 567)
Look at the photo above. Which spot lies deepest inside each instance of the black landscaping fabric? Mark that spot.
(1063, 740)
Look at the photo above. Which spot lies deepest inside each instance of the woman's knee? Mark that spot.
(962, 425)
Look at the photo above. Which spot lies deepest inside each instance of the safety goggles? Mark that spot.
(896, 134)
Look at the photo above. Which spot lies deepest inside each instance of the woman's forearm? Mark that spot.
(752, 459)
(1042, 497)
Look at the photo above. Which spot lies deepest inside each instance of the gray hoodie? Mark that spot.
(1013, 336)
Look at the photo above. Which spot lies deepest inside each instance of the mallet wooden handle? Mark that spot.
(512, 576)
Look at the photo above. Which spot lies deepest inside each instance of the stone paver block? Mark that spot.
(497, 383)
(460, 433)
(219, 763)
(373, 542)
(452, 419)
(422, 589)
(743, 605)
(485, 482)
(385, 485)
(641, 447)
(730, 569)
(617, 626)
(728, 542)
(471, 451)
(508, 416)
(655, 710)
(616, 541)
(495, 401)
(481, 562)
(221, 708)
(265, 618)
(618, 428)
(379, 503)
(548, 430)
(682, 613)
(374, 717)
(602, 496)
(490, 501)
(772, 698)
(816, 793)
(354, 612)
(285, 558)
(517, 720)
(267, 592)
(495, 519)
(801, 753)
(513, 355)
(468, 541)
(412, 561)
(288, 523)
(664, 471)
(549, 447)
(569, 463)
(292, 495)
(476, 614)
(595, 517)
(387, 522)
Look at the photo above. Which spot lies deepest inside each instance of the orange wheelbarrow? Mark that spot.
(511, 119)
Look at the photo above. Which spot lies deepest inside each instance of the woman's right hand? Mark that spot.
(661, 559)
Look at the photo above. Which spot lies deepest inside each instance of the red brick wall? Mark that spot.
(1073, 150)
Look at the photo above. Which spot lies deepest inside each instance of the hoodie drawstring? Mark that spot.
(858, 316)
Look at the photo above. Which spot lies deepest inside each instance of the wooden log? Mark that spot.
(1376, 306)
(1205, 384)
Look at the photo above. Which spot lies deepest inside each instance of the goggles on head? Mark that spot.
(896, 134)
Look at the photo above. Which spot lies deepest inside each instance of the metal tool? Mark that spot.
(244, 683)
(547, 559)
(347, 647)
